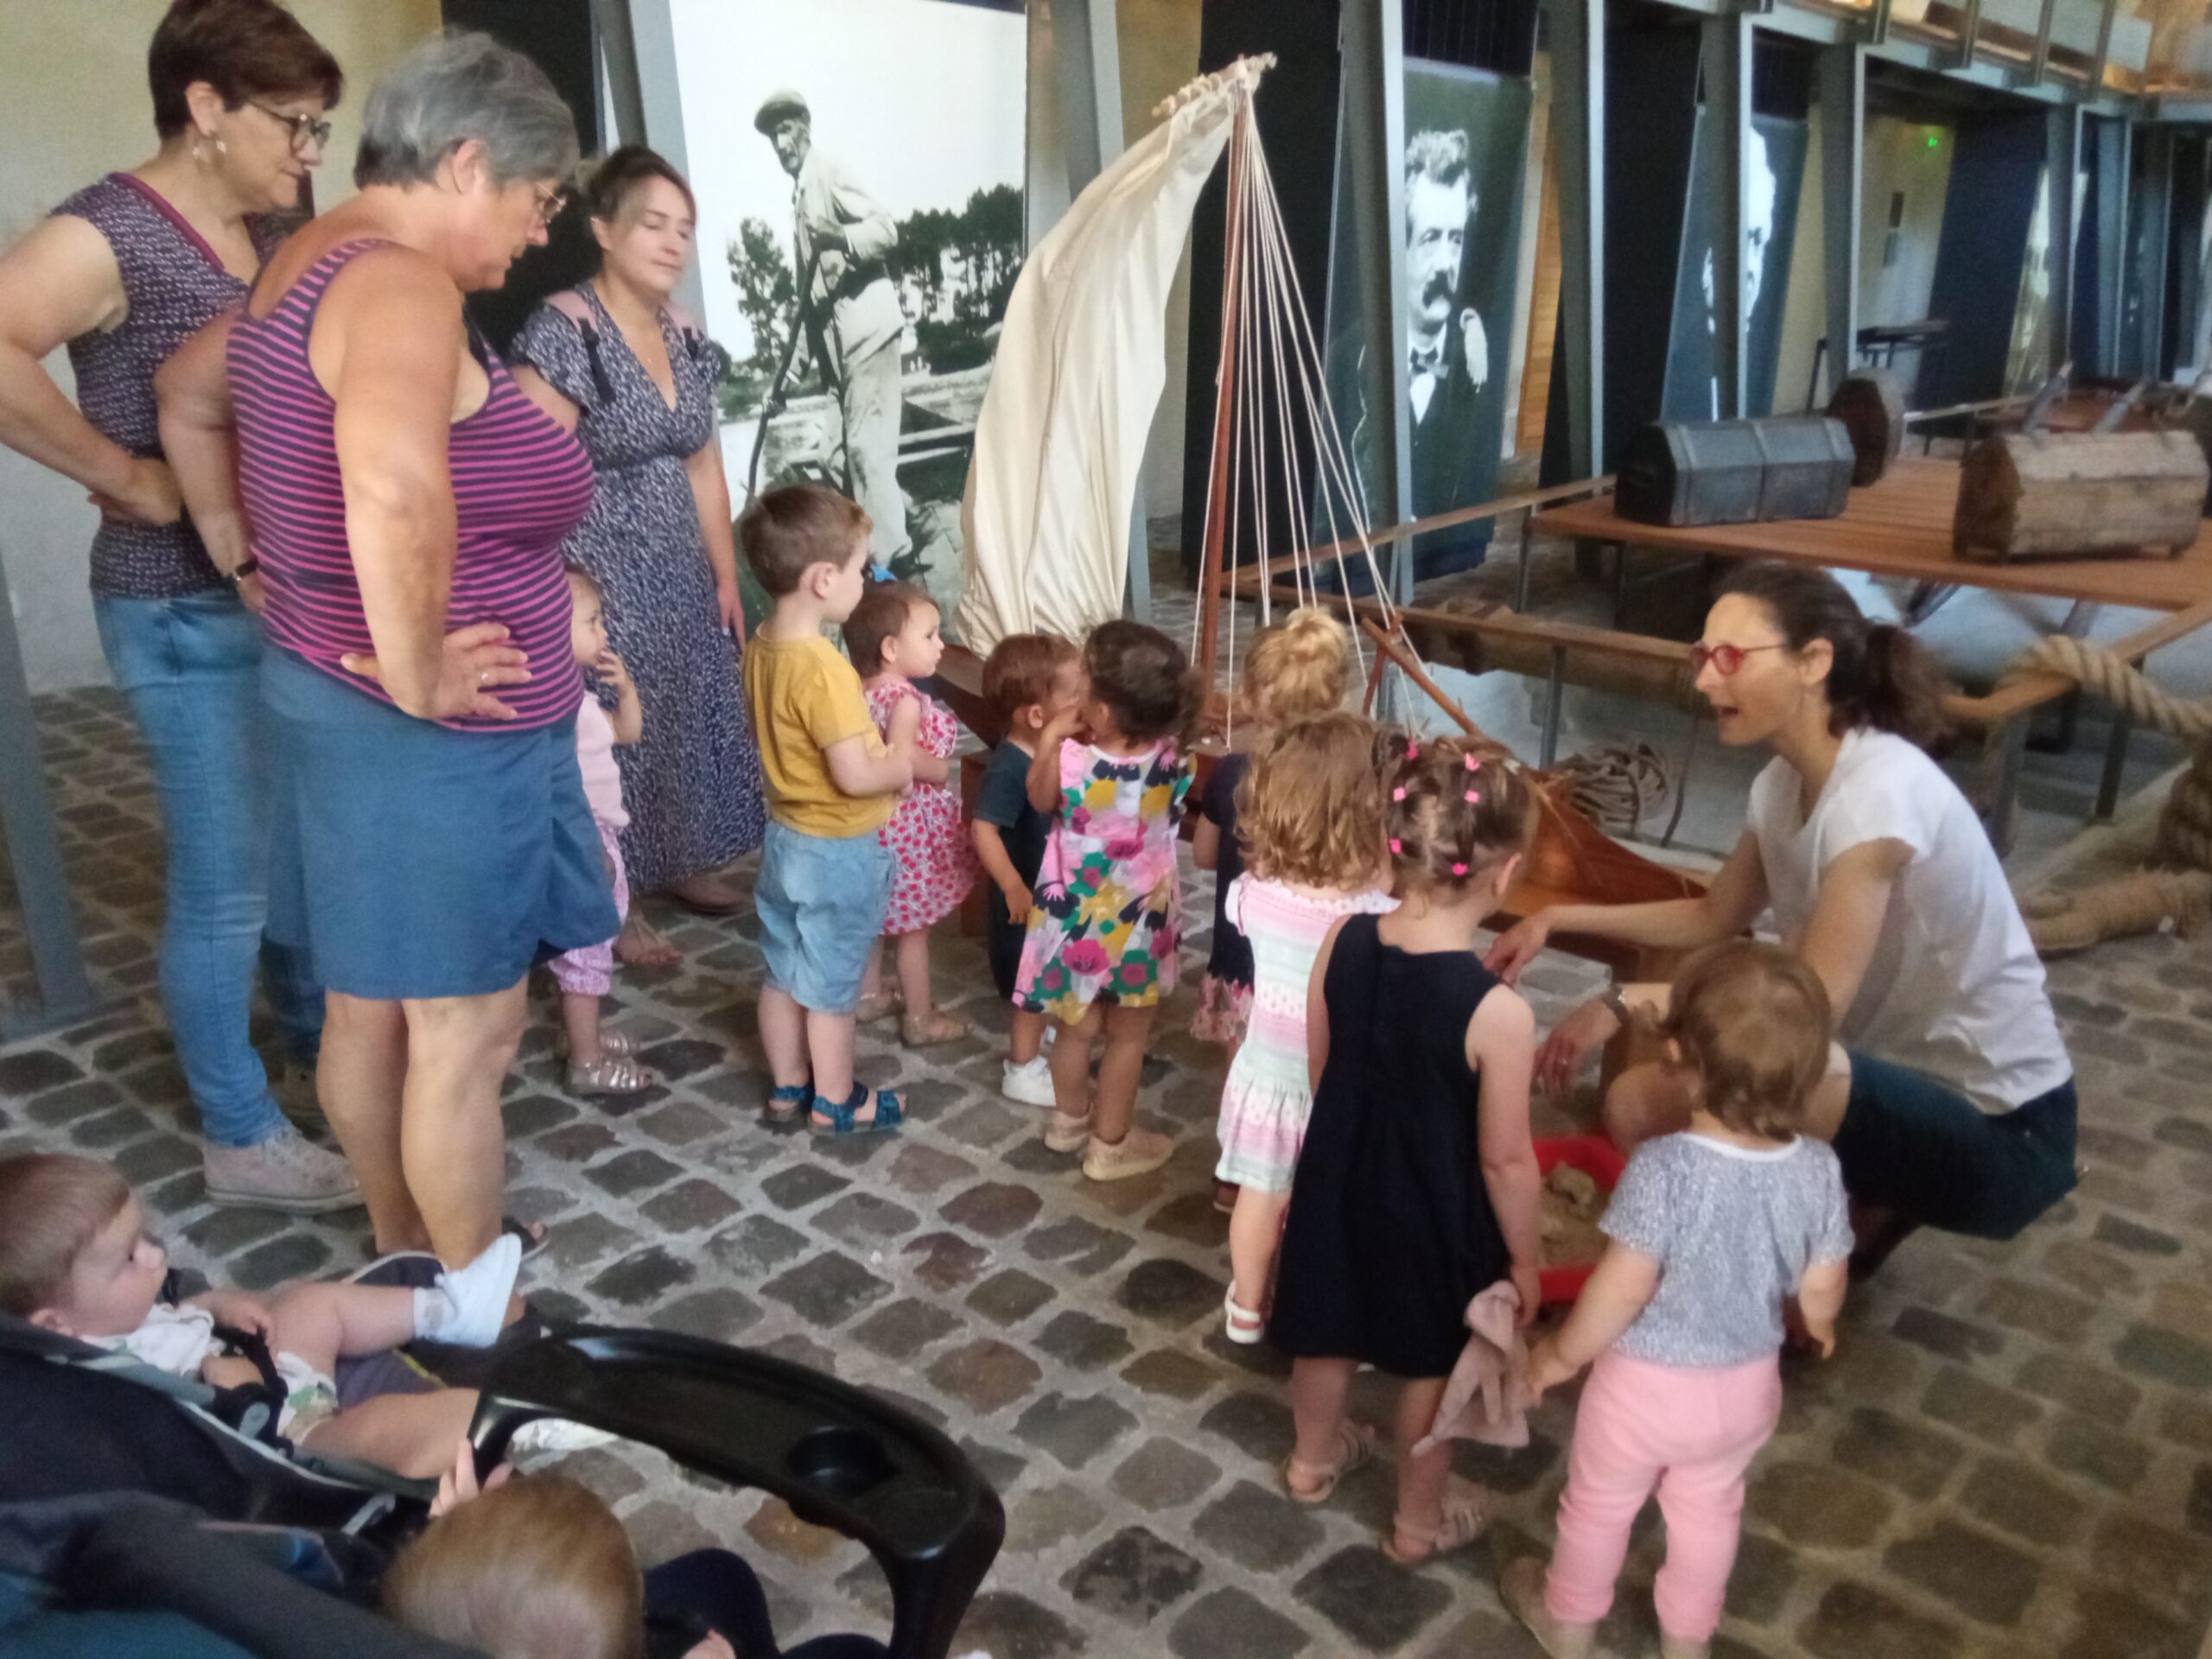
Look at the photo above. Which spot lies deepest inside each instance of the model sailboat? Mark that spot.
(1078, 373)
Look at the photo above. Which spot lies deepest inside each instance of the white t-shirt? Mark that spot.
(1954, 987)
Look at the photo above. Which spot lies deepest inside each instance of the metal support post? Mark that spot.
(652, 42)
(1843, 159)
(35, 853)
(2096, 82)
(2156, 204)
(1969, 34)
(1375, 125)
(1575, 31)
(618, 55)
(2039, 57)
(2112, 238)
(2062, 159)
(1725, 156)
(1087, 65)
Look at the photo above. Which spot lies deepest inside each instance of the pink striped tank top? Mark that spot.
(520, 485)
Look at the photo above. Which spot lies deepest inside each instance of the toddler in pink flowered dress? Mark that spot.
(892, 637)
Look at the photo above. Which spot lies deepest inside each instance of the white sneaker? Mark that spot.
(1030, 1082)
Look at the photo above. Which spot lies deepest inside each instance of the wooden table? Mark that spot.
(1902, 527)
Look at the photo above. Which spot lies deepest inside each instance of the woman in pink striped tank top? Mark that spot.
(406, 504)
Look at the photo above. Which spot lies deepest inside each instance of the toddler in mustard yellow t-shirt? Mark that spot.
(825, 875)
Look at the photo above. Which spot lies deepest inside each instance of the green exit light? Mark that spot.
(1931, 141)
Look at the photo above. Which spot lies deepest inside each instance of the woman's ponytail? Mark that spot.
(1900, 689)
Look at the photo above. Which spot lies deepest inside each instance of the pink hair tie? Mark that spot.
(1458, 869)
(1413, 750)
(1396, 846)
(1474, 763)
(1475, 796)
(1399, 793)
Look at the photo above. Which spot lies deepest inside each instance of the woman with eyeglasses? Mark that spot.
(407, 503)
(121, 273)
(1951, 1101)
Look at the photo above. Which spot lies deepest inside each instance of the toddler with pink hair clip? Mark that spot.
(1416, 1188)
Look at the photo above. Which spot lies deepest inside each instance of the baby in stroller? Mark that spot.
(76, 1259)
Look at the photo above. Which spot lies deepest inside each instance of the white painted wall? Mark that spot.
(73, 79)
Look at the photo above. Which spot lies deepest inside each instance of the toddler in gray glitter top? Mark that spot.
(1711, 1231)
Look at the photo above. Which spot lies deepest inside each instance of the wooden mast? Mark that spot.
(1218, 494)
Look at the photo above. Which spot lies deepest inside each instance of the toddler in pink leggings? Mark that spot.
(1712, 1232)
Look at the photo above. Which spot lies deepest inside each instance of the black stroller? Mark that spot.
(125, 1488)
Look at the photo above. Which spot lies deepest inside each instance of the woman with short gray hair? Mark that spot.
(406, 505)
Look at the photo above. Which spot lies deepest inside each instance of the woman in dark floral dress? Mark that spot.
(636, 381)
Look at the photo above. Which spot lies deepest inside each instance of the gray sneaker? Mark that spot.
(286, 1172)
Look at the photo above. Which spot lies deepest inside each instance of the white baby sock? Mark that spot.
(468, 1306)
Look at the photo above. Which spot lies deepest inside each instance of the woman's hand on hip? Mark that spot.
(1518, 946)
(475, 658)
(148, 496)
(1559, 1061)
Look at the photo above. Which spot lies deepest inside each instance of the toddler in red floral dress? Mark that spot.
(892, 637)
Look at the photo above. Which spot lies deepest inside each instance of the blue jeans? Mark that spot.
(191, 669)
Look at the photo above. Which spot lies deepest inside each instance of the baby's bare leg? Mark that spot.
(322, 1324)
(412, 1435)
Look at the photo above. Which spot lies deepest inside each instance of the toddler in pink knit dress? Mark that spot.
(892, 639)
(1711, 1230)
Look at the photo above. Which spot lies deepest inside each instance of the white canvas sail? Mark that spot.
(1081, 362)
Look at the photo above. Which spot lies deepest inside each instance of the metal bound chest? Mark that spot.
(1689, 473)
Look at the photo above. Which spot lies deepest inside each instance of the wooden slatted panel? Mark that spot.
(1543, 316)
(1902, 527)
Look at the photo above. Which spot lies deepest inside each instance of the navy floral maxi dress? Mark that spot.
(692, 786)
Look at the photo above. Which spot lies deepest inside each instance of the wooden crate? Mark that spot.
(2043, 495)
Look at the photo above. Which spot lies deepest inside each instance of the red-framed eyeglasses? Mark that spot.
(1726, 659)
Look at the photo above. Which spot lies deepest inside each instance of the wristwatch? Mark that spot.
(1616, 1005)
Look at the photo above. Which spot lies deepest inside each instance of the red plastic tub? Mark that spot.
(1596, 1157)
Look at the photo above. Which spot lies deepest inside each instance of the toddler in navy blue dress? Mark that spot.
(1416, 1188)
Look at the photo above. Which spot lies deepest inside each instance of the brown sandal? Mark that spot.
(923, 1031)
(1355, 1444)
(1462, 1518)
(878, 1005)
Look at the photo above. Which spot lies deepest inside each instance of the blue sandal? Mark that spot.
(889, 1114)
(790, 1103)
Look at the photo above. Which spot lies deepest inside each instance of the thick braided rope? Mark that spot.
(2185, 825)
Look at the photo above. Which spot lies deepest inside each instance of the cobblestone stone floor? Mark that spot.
(2010, 1455)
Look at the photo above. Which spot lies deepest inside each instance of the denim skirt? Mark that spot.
(412, 861)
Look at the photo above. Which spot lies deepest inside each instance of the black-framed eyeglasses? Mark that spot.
(1726, 659)
(304, 127)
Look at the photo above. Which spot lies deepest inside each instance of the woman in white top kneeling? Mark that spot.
(1950, 1100)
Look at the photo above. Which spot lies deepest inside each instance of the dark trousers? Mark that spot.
(717, 1589)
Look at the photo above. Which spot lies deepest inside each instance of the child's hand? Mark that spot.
(238, 1310)
(713, 1648)
(1547, 1370)
(1061, 728)
(613, 672)
(1819, 1334)
(1019, 898)
(458, 1484)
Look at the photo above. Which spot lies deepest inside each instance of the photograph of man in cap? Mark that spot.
(850, 306)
